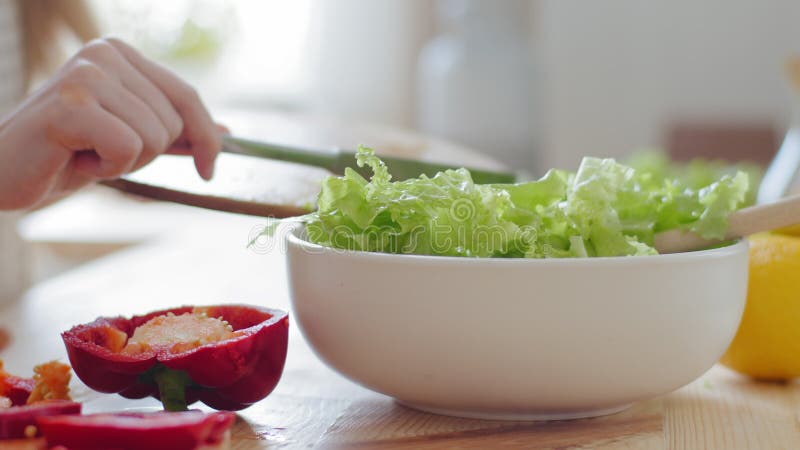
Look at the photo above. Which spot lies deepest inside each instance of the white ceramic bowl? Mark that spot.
(518, 338)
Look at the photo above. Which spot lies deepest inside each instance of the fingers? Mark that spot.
(130, 96)
(137, 115)
(181, 146)
(106, 55)
(163, 112)
(84, 124)
(198, 127)
(222, 129)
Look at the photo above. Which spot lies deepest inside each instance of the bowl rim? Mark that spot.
(739, 246)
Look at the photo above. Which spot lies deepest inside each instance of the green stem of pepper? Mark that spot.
(172, 386)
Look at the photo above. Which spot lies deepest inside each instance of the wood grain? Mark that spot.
(214, 202)
(313, 407)
(731, 412)
(385, 424)
(242, 185)
(744, 222)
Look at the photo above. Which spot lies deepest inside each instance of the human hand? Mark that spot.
(107, 112)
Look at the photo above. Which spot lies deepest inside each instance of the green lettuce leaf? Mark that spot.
(603, 209)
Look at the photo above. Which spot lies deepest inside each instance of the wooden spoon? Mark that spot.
(242, 185)
(744, 222)
(271, 181)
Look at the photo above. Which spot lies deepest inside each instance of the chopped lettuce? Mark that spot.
(695, 174)
(603, 209)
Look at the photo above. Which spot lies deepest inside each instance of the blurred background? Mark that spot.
(526, 84)
(544, 82)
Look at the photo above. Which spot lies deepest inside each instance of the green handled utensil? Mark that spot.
(337, 160)
(249, 181)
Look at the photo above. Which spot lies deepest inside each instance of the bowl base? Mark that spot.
(509, 416)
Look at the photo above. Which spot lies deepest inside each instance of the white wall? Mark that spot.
(363, 55)
(618, 70)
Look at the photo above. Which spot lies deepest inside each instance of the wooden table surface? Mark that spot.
(175, 255)
(206, 261)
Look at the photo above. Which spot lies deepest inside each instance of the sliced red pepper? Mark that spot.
(230, 374)
(17, 389)
(15, 421)
(136, 431)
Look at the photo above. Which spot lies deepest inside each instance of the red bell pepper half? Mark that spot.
(229, 374)
(136, 431)
(16, 420)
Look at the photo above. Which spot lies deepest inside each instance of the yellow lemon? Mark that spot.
(794, 230)
(767, 345)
